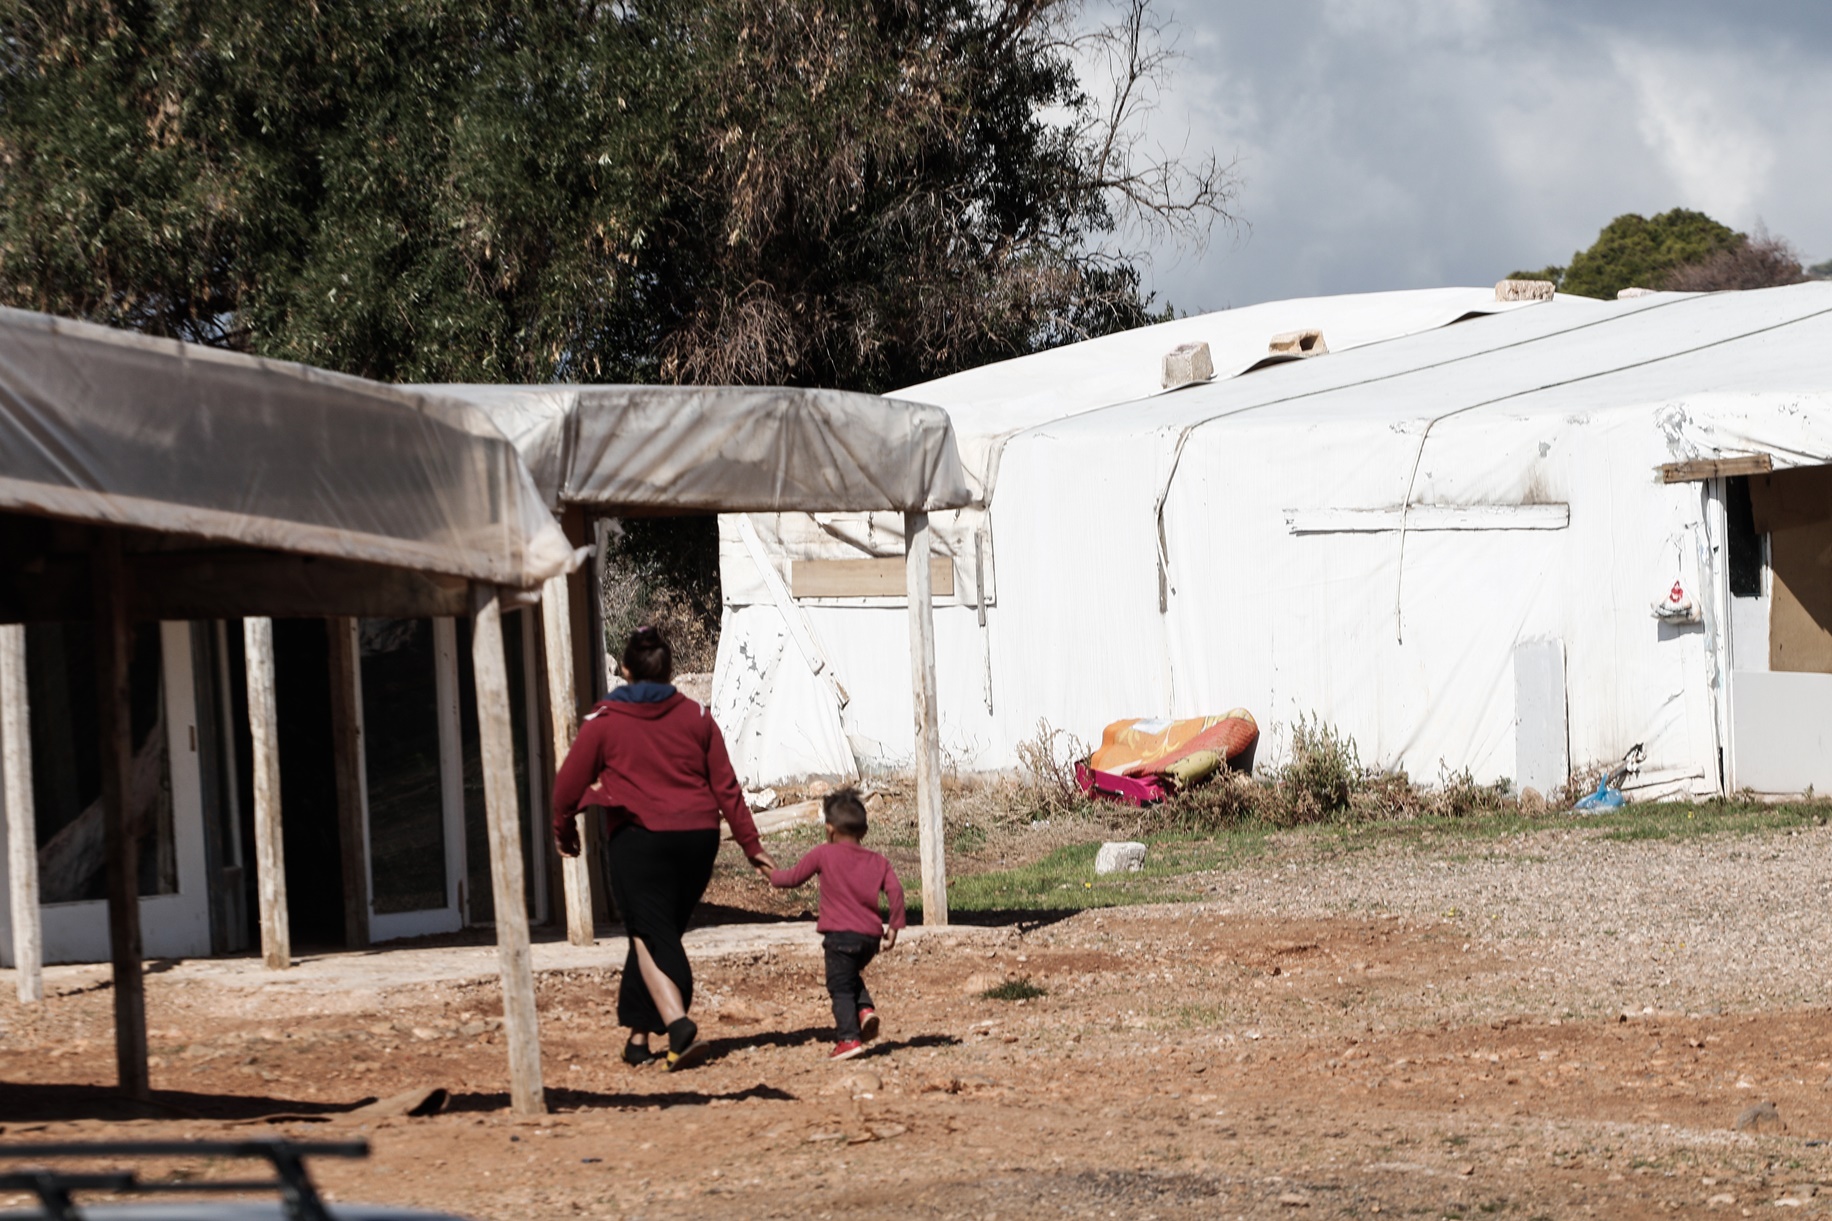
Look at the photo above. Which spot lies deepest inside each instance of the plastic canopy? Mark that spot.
(726, 449)
(111, 428)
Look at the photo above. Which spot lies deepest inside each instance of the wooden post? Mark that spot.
(347, 764)
(556, 626)
(920, 582)
(121, 839)
(269, 846)
(21, 825)
(496, 737)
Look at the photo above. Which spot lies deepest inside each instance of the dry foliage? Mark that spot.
(1761, 261)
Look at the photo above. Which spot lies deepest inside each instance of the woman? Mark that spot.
(657, 763)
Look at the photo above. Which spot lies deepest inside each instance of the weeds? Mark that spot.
(1047, 771)
(1020, 989)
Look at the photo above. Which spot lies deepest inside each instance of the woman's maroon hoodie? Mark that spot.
(658, 763)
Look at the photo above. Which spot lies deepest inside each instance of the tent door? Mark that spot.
(1779, 535)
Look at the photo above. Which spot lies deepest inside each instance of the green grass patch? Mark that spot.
(1020, 989)
(1676, 820)
(1065, 879)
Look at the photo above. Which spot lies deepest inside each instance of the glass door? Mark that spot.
(414, 799)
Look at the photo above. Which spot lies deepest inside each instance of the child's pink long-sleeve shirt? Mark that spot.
(851, 878)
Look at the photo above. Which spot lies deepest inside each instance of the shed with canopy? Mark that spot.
(619, 451)
(149, 480)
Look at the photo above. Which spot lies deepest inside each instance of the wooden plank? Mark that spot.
(931, 844)
(269, 846)
(870, 578)
(772, 822)
(113, 653)
(21, 822)
(1715, 468)
(344, 635)
(1800, 606)
(563, 713)
(496, 739)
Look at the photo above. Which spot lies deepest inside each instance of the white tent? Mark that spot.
(1446, 541)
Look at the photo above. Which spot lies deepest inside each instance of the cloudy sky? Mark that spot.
(1405, 143)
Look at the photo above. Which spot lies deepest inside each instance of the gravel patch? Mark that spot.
(1572, 922)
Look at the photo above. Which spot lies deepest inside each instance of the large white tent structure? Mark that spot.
(1445, 540)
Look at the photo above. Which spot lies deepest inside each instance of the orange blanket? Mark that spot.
(1141, 747)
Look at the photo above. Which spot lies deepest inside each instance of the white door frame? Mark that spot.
(174, 925)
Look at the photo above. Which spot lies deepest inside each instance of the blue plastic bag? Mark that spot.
(1605, 798)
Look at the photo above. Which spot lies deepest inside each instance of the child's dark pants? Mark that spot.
(847, 955)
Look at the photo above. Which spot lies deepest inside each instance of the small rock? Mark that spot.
(857, 1083)
(888, 1131)
(1722, 1200)
(1292, 1199)
(819, 788)
(739, 1013)
(1466, 1169)
(1763, 1117)
(1532, 801)
(1120, 857)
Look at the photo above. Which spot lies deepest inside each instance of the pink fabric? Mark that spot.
(852, 876)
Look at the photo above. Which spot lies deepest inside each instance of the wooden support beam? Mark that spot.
(1699, 469)
(496, 737)
(269, 846)
(344, 635)
(21, 823)
(595, 663)
(556, 627)
(121, 839)
(931, 843)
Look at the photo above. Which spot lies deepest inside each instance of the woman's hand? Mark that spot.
(764, 864)
(566, 837)
(890, 937)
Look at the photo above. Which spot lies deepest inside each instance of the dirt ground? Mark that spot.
(1187, 1060)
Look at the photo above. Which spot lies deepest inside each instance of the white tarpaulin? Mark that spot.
(1371, 535)
(108, 427)
(686, 449)
(764, 451)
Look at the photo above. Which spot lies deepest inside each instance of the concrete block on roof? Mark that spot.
(1186, 364)
(1523, 290)
(1308, 342)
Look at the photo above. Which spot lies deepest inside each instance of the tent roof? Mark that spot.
(110, 428)
(1617, 356)
(726, 449)
(991, 403)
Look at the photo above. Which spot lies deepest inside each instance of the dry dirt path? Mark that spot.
(1545, 1026)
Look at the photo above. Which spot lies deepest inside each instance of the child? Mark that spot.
(852, 877)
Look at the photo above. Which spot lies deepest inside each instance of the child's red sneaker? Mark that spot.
(847, 1049)
(868, 1023)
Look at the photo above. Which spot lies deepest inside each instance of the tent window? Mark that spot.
(1745, 542)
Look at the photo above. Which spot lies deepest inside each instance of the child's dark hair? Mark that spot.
(647, 657)
(845, 812)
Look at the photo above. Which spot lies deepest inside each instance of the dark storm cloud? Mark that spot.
(1403, 143)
